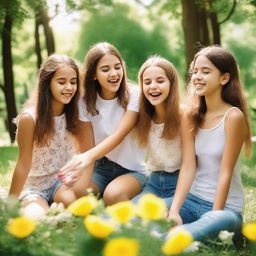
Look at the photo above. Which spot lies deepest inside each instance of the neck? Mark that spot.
(160, 113)
(57, 109)
(214, 102)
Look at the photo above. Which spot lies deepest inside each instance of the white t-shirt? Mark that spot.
(128, 153)
(47, 160)
(163, 154)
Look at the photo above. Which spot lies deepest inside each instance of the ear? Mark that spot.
(225, 78)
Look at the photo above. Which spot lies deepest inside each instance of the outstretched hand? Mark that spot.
(73, 170)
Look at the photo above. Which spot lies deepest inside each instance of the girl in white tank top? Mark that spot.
(209, 195)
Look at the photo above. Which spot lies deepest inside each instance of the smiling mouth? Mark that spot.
(67, 94)
(113, 80)
(155, 94)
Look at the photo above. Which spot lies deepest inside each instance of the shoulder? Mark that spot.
(133, 89)
(235, 116)
(235, 121)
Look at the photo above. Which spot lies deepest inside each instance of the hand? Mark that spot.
(72, 171)
(175, 216)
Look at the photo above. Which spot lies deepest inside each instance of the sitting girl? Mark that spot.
(110, 107)
(158, 128)
(209, 195)
(45, 135)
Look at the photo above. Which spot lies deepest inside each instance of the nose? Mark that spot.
(153, 85)
(197, 75)
(68, 86)
(113, 72)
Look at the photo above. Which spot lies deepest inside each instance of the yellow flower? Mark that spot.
(249, 230)
(98, 227)
(21, 227)
(151, 207)
(122, 211)
(178, 241)
(121, 247)
(83, 206)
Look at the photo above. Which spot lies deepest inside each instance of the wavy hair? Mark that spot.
(172, 102)
(42, 99)
(232, 91)
(92, 87)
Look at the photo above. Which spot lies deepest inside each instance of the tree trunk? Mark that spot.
(37, 41)
(191, 28)
(215, 28)
(49, 38)
(8, 76)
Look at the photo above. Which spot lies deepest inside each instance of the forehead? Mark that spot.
(153, 72)
(64, 70)
(203, 62)
(108, 59)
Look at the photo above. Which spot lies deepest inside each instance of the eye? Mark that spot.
(147, 82)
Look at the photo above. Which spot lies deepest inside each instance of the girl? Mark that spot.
(158, 125)
(45, 135)
(214, 129)
(110, 107)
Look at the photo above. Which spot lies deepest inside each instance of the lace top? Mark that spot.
(47, 160)
(163, 154)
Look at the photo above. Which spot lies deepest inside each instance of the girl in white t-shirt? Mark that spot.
(110, 107)
(209, 193)
(158, 128)
(45, 135)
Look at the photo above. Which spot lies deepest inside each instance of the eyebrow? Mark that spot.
(106, 66)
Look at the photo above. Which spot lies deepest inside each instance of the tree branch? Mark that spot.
(230, 13)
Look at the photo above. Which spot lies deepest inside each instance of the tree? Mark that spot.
(10, 13)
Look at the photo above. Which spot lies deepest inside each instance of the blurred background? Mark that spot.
(175, 29)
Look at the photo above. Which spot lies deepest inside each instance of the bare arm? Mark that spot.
(187, 171)
(82, 161)
(25, 142)
(236, 130)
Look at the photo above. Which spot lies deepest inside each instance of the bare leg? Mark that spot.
(122, 188)
(64, 195)
(34, 206)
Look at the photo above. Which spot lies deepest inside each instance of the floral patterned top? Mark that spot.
(163, 155)
(47, 160)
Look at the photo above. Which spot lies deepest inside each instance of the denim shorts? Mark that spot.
(106, 170)
(160, 183)
(47, 194)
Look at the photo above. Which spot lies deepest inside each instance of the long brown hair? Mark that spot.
(172, 102)
(42, 98)
(232, 91)
(91, 86)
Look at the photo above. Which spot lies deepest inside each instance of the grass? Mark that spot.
(8, 156)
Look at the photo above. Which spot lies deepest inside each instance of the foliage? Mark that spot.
(137, 237)
(134, 41)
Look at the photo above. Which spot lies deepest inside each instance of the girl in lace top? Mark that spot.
(45, 134)
(158, 128)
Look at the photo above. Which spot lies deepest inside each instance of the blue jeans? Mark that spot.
(106, 170)
(160, 183)
(204, 223)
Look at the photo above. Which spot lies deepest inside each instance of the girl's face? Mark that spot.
(109, 73)
(206, 78)
(63, 87)
(156, 85)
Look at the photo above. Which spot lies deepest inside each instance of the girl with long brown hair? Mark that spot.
(110, 107)
(158, 128)
(209, 195)
(46, 130)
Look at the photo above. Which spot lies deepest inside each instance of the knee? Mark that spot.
(112, 196)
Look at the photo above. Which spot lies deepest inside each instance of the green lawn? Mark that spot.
(77, 241)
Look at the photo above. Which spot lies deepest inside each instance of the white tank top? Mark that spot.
(209, 147)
